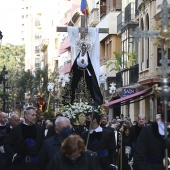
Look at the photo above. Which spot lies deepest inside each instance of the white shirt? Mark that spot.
(161, 126)
(99, 129)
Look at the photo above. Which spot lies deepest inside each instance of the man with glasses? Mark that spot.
(52, 145)
(24, 142)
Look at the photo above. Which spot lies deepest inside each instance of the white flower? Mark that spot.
(71, 111)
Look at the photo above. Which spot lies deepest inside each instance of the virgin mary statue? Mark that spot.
(83, 85)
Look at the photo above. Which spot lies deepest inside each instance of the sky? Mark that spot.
(10, 21)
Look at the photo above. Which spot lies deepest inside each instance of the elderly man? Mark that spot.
(52, 145)
(150, 148)
(136, 129)
(3, 134)
(24, 142)
(3, 120)
(14, 121)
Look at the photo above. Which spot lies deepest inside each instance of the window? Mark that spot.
(159, 56)
(37, 62)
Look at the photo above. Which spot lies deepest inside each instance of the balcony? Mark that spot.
(94, 17)
(106, 70)
(136, 8)
(107, 22)
(118, 5)
(65, 68)
(120, 22)
(133, 76)
(130, 13)
(37, 65)
(159, 56)
(119, 80)
(37, 49)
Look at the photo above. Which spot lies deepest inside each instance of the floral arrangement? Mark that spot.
(71, 111)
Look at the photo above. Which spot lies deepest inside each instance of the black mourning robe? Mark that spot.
(79, 87)
(150, 149)
(103, 143)
(25, 141)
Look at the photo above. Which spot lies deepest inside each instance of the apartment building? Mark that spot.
(39, 21)
(136, 83)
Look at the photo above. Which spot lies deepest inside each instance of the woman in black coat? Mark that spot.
(126, 148)
(74, 156)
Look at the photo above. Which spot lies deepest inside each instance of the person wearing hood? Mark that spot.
(151, 144)
(52, 145)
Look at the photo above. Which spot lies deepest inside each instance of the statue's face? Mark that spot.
(84, 48)
(82, 119)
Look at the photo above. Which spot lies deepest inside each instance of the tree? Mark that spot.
(13, 58)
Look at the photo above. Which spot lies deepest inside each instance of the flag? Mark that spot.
(84, 7)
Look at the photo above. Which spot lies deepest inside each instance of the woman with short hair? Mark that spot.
(74, 156)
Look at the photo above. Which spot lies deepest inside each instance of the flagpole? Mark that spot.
(85, 18)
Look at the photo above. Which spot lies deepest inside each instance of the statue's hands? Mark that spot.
(82, 61)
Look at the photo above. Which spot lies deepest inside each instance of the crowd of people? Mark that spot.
(31, 144)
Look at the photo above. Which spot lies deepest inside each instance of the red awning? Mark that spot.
(64, 47)
(129, 97)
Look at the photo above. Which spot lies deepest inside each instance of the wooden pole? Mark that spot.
(121, 132)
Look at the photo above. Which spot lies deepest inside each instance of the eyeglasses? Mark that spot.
(30, 108)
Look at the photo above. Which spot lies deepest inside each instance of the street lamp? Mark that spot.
(63, 79)
(50, 88)
(103, 80)
(112, 88)
(4, 80)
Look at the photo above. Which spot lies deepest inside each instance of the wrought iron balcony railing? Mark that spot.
(130, 12)
(136, 7)
(133, 76)
(120, 21)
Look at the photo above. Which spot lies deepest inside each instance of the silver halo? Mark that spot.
(85, 41)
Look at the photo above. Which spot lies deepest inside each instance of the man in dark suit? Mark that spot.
(24, 142)
(136, 129)
(101, 141)
(150, 148)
